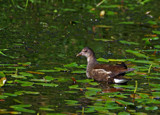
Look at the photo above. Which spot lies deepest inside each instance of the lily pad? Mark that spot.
(48, 70)
(151, 108)
(47, 84)
(22, 109)
(130, 43)
(79, 71)
(137, 53)
(72, 102)
(74, 64)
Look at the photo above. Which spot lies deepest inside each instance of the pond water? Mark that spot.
(38, 47)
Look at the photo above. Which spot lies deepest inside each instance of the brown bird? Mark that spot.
(103, 72)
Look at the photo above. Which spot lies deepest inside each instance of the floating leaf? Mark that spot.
(143, 95)
(3, 96)
(60, 69)
(110, 6)
(46, 109)
(130, 43)
(102, 59)
(47, 84)
(117, 60)
(22, 109)
(104, 40)
(10, 94)
(74, 64)
(79, 71)
(94, 83)
(73, 86)
(16, 67)
(126, 23)
(124, 102)
(48, 70)
(151, 108)
(71, 102)
(25, 64)
(137, 53)
(157, 46)
(152, 22)
(24, 83)
(26, 74)
(34, 72)
(27, 84)
(156, 94)
(18, 76)
(30, 92)
(70, 91)
(62, 79)
(2, 74)
(156, 32)
(85, 80)
(68, 10)
(40, 80)
(103, 26)
(49, 78)
(112, 105)
(123, 113)
(110, 13)
(94, 89)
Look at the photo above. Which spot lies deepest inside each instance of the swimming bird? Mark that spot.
(104, 72)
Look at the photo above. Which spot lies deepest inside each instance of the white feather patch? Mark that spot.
(102, 71)
(120, 80)
(4, 81)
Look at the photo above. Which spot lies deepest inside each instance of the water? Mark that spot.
(49, 34)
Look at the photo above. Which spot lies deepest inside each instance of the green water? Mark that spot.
(40, 38)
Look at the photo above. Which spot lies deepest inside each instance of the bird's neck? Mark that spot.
(91, 62)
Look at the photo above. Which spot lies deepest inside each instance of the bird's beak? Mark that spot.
(79, 54)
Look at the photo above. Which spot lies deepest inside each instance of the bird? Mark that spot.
(104, 72)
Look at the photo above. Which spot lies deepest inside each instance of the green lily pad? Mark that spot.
(123, 113)
(73, 86)
(3, 96)
(49, 78)
(130, 43)
(102, 60)
(46, 109)
(126, 22)
(74, 64)
(124, 102)
(157, 46)
(48, 70)
(79, 71)
(137, 53)
(2, 74)
(18, 76)
(151, 108)
(47, 84)
(156, 32)
(40, 80)
(26, 74)
(10, 94)
(22, 109)
(72, 102)
(60, 69)
(70, 91)
(85, 80)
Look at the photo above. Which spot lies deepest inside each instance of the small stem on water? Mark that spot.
(136, 85)
(149, 70)
(82, 110)
(26, 4)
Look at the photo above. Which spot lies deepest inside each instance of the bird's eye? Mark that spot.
(85, 50)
